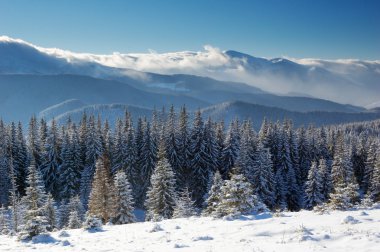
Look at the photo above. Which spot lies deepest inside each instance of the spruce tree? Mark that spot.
(200, 162)
(374, 190)
(161, 195)
(184, 151)
(51, 161)
(214, 194)
(146, 164)
(4, 165)
(94, 150)
(369, 166)
(231, 149)
(262, 177)
(313, 191)
(123, 200)
(326, 183)
(34, 204)
(50, 212)
(237, 197)
(185, 206)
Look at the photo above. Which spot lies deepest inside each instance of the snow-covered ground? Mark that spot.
(302, 231)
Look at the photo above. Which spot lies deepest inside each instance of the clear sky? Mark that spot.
(269, 28)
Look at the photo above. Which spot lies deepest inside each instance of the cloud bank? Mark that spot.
(344, 80)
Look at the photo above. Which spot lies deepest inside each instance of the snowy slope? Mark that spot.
(300, 231)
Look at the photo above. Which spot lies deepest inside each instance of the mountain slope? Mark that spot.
(242, 110)
(344, 81)
(24, 95)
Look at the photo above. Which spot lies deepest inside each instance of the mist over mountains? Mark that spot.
(53, 83)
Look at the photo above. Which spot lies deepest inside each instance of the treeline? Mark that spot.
(173, 167)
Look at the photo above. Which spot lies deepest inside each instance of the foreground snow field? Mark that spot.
(302, 231)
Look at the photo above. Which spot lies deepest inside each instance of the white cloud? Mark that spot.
(344, 80)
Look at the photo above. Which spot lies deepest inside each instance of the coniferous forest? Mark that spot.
(178, 165)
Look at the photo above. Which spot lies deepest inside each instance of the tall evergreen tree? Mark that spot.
(262, 177)
(231, 149)
(214, 194)
(374, 189)
(184, 205)
(184, 151)
(34, 204)
(325, 175)
(201, 166)
(93, 152)
(34, 145)
(237, 197)
(369, 166)
(51, 161)
(313, 191)
(70, 168)
(161, 195)
(123, 200)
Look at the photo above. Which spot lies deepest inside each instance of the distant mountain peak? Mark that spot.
(344, 81)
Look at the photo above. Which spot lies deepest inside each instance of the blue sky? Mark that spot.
(304, 28)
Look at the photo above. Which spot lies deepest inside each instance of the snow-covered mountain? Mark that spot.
(346, 81)
(47, 80)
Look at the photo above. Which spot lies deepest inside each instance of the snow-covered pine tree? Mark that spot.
(303, 155)
(50, 213)
(63, 214)
(43, 136)
(325, 174)
(4, 165)
(34, 145)
(70, 167)
(247, 150)
(219, 141)
(286, 174)
(19, 157)
(4, 226)
(214, 194)
(237, 197)
(264, 133)
(374, 189)
(93, 152)
(14, 198)
(161, 195)
(118, 160)
(136, 171)
(345, 187)
(74, 221)
(293, 150)
(231, 148)
(75, 205)
(202, 165)
(313, 190)
(34, 204)
(123, 200)
(171, 140)
(322, 144)
(185, 206)
(76, 213)
(369, 166)
(51, 161)
(262, 177)
(102, 197)
(146, 164)
(184, 151)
